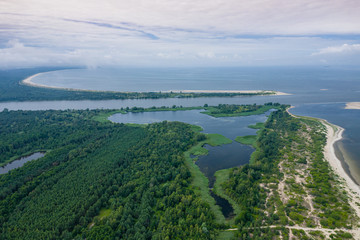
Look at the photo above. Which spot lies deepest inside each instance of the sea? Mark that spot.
(320, 92)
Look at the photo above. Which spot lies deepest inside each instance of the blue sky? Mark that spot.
(96, 33)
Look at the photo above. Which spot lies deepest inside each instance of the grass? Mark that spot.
(213, 139)
(224, 235)
(258, 125)
(196, 128)
(200, 183)
(247, 140)
(222, 176)
(103, 117)
(104, 212)
(201, 186)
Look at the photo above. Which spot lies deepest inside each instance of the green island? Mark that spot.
(12, 89)
(103, 180)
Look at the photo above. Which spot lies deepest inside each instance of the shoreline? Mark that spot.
(352, 105)
(28, 82)
(334, 134)
(277, 93)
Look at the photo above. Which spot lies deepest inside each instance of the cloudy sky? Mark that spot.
(179, 32)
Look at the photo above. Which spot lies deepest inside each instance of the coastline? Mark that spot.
(231, 91)
(334, 134)
(352, 105)
(28, 82)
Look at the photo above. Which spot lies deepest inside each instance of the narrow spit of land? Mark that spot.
(193, 93)
(292, 189)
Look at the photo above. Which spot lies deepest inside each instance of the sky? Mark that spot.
(179, 33)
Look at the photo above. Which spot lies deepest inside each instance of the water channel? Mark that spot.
(20, 162)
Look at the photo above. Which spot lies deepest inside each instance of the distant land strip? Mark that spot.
(352, 105)
(28, 81)
(230, 91)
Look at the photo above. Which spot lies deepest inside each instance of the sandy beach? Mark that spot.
(352, 105)
(230, 91)
(28, 81)
(334, 134)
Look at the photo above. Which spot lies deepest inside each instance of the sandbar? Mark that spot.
(230, 91)
(28, 81)
(352, 105)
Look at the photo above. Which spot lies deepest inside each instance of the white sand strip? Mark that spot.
(334, 134)
(229, 91)
(352, 105)
(28, 81)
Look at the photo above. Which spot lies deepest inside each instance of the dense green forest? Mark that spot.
(102, 180)
(11, 89)
(137, 175)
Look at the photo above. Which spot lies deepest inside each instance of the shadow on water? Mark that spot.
(20, 162)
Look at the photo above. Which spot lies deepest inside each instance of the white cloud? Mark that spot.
(172, 32)
(345, 48)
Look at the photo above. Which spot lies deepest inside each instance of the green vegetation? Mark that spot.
(225, 235)
(100, 180)
(257, 126)
(288, 150)
(248, 140)
(232, 110)
(200, 184)
(11, 89)
(222, 176)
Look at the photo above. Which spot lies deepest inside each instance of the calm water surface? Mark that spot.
(220, 157)
(20, 162)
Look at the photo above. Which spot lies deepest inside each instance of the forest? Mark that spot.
(137, 175)
(11, 89)
(103, 180)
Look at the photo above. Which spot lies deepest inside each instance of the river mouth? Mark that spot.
(21, 161)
